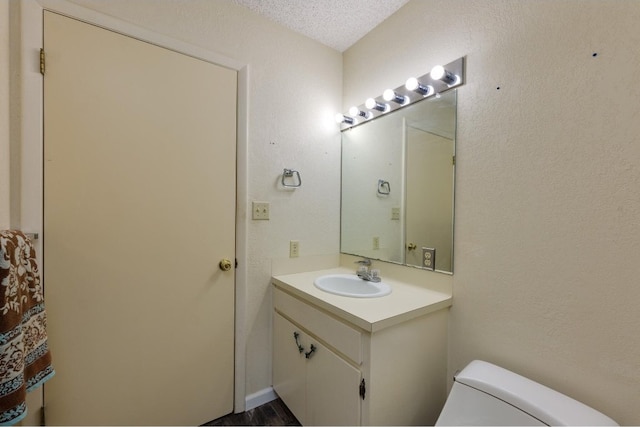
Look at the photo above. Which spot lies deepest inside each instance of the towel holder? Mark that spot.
(290, 173)
(384, 188)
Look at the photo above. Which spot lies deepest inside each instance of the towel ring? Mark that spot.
(384, 188)
(290, 173)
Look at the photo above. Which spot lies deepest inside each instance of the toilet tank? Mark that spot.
(485, 394)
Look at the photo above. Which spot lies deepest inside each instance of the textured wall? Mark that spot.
(4, 115)
(294, 93)
(547, 232)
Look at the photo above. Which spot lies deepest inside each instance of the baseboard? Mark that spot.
(260, 398)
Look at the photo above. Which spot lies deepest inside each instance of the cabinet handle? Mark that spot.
(309, 353)
(300, 348)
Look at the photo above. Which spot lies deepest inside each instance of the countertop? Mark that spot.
(406, 301)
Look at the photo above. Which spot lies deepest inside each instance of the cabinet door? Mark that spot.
(289, 370)
(332, 389)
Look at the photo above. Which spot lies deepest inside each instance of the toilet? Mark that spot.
(485, 394)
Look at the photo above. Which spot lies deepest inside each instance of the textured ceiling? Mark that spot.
(335, 23)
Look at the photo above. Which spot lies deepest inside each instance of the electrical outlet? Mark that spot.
(376, 243)
(294, 249)
(395, 213)
(260, 210)
(429, 258)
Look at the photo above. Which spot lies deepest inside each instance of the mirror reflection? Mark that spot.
(398, 185)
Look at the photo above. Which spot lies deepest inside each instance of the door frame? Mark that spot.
(30, 175)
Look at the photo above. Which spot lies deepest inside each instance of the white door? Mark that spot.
(429, 213)
(139, 210)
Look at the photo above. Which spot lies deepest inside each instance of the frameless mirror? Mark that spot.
(398, 185)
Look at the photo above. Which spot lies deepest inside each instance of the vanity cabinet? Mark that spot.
(329, 371)
(318, 386)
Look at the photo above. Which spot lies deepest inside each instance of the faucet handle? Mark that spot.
(365, 261)
(375, 275)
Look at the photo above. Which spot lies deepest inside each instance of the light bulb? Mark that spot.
(355, 111)
(437, 72)
(414, 85)
(440, 73)
(391, 95)
(372, 104)
(388, 95)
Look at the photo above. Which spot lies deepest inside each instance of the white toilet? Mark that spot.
(485, 394)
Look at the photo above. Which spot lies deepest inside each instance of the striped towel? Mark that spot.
(25, 360)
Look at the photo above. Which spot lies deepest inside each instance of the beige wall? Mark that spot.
(4, 115)
(547, 232)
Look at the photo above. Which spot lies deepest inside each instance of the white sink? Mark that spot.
(350, 285)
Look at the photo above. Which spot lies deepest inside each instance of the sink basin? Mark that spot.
(350, 285)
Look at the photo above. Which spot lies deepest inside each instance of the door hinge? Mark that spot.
(363, 389)
(453, 160)
(42, 61)
(236, 263)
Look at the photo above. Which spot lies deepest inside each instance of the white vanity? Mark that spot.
(341, 360)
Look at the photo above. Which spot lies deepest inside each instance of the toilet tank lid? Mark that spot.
(539, 401)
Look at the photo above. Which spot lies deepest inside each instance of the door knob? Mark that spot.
(411, 246)
(225, 264)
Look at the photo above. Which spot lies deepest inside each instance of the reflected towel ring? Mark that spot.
(384, 188)
(290, 173)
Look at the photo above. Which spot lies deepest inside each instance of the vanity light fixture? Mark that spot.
(391, 95)
(440, 73)
(372, 104)
(341, 118)
(414, 85)
(428, 85)
(355, 111)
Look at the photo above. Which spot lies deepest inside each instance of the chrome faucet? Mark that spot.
(364, 273)
(364, 262)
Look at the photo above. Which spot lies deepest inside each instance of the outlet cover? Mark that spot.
(429, 258)
(376, 243)
(294, 249)
(260, 210)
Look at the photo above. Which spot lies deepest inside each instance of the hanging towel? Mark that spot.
(25, 360)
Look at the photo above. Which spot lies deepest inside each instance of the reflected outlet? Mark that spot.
(429, 258)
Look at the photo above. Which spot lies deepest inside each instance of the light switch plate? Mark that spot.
(260, 210)
(395, 213)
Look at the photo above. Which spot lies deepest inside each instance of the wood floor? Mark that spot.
(274, 413)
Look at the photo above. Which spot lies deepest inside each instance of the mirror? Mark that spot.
(398, 184)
